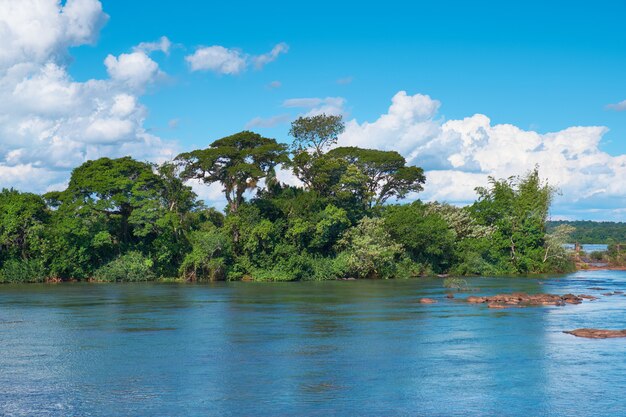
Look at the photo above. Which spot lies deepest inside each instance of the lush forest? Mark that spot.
(593, 232)
(127, 220)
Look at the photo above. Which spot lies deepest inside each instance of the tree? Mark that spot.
(238, 162)
(518, 209)
(123, 193)
(386, 171)
(22, 219)
(426, 237)
(316, 132)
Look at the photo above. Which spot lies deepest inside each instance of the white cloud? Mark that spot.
(218, 59)
(261, 60)
(136, 69)
(230, 61)
(621, 106)
(33, 31)
(458, 155)
(163, 45)
(50, 123)
(269, 122)
(316, 106)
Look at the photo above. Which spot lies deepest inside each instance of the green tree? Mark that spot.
(386, 172)
(315, 132)
(518, 209)
(22, 220)
(238, 162)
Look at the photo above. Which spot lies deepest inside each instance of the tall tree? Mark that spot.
(316, 132)
(238, 162)
(386, 172)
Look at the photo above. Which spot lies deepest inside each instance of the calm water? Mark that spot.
(363, 348)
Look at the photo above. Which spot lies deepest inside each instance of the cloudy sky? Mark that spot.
(464, 89)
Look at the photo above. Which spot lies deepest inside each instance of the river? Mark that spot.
(362, 348)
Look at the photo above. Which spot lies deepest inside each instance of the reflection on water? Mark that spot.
(340, 348)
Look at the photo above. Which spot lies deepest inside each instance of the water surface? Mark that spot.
(365, 348)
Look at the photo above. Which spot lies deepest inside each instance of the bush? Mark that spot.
(455, 283)
(369, 251)
(130, 267)
(22, 271)
(209, 256)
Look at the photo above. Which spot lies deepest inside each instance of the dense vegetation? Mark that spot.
(593, 232)
(126, 220)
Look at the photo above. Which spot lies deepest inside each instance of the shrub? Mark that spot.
(21, 271)
(369, 250)
(209, 256)
(455, 283)
(130, 267)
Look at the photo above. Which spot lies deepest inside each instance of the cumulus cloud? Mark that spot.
(229, 61)
(621, 106)
(135, 70)
(315, 106)
(33, 31)
(217, 59)
(458, 155)
(50, 123)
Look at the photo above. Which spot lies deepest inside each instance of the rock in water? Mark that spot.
(521, 299)
(427, 301)
(597, 333)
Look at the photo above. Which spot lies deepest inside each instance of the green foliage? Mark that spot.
(131, 267)
(22, 271)
(22, 220)
(317, 132)
(125, 220)
(425, 236)
(369, 251)
(517, 208)
(455, 283)
(210, 255)
(238, 162)
(385, 173)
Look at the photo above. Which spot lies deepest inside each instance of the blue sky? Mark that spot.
(540, 67)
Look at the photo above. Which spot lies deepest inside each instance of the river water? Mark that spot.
(363, 348)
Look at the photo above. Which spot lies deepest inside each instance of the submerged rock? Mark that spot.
(597, 333)
(520, 299)
(587, 297)
(427, 301)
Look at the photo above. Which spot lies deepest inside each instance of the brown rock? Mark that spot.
(427, 301)
(597, 333)
(522, 299)
(449, 295)
(587, 297)
(607, 294)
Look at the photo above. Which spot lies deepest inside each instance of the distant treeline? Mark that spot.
(593, 232)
